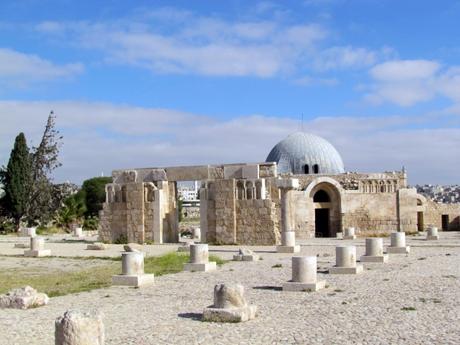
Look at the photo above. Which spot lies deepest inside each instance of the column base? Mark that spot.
(288, 249)
(133, 280)
(209, 266)
(398, 250)
(245, 257)
(432, 238)
(378, 259)
(346, 270)
(37, 253)
(230, 314)
(349, 237)
(306, 287)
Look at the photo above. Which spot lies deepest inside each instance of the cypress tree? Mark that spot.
(17, 180)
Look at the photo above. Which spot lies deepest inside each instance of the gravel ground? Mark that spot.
(353, 309)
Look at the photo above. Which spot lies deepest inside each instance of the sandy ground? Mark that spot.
(353, 309)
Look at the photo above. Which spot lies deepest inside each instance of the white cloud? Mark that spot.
(102, 137)
(408, 82)
(19, 69)
(345, 57)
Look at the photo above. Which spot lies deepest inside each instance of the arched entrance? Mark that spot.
(325, 214)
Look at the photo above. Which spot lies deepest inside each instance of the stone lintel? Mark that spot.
(346, 270)
(37, 253)
(306, 287)
(230, 314)
(398, 250)
(133, 280)
(287, 183)
(378, 259)
(210, 266)
(288, 249)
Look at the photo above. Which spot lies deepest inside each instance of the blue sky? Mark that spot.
(151, 83)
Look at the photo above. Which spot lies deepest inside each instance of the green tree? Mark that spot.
(17, 180)
(94, 194)
(72, 211)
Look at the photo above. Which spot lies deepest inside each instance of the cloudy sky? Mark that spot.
(162, 83)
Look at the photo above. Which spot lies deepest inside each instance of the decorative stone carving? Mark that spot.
(130, 176)
(110, 193)
(350, 184)
(78, 328)
(23, 298)
(149, 188)
(229, 305)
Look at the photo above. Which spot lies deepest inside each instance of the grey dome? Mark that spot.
(302, 153)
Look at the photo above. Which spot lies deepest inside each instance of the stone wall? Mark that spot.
(434, 212)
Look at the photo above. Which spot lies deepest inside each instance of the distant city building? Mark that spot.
(440, 194)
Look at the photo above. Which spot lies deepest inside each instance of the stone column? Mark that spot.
(432, 234)
(37, 248)
(374, 251)
(199, 259)
(288, 245)
(132, 271)
(77, 328)
(346, 261)
(304, 276)
(349, 234)
(78, 232)
(398, 244)
(196, 234)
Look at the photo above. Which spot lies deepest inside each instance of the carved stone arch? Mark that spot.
(240, 190)
(250, 190)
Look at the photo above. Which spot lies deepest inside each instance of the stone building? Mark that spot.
(240, 203)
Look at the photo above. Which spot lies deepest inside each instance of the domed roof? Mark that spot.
(305, 153)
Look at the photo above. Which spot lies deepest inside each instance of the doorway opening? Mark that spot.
(420, 225)
(322, 224)
(445, 222)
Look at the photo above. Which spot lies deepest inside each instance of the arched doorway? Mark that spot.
(325, 215)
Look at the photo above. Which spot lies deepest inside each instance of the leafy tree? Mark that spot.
(72, 211)
(17, 181)
(94, 194)
(42, 205)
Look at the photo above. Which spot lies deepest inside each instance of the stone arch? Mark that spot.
(421, 205)
(240, 190)
(259, 190)
(325, 216)
(249, 190)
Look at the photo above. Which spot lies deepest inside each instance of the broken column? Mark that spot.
(132, 271)
(345, 263)
(78, 328)
(78, 232)
(196, 234)
(185, 247)
(229, 305)
(349, 234)
(432, 234)
(374, 251)
(199, 259)
(287, 185)
(29, 232)
(304, 276)
(245, 255)
(398, 244)
(37, 248)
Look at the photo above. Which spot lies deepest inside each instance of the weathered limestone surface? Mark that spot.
(199, 259)
(398, 244)
(432, 234)
(37, 248)
(304, 276)
(132, 247)
(346, 261)
(79, 328)
(23, 298)
(229, 305)
(132, 271)
(349, 234)
(374, 251)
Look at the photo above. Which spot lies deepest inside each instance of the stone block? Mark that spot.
(288, 249)
(200, 267)
(22, 245)
(97, 246)
(346, 270)
(77, 328)
(241, 257)
(37, 253)
(298, 286)
(287, 183)
(398, 250)
(241, 314)
(133, 280)
(432, 238)
(352, 237)
(377, 259)
(23, 298)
